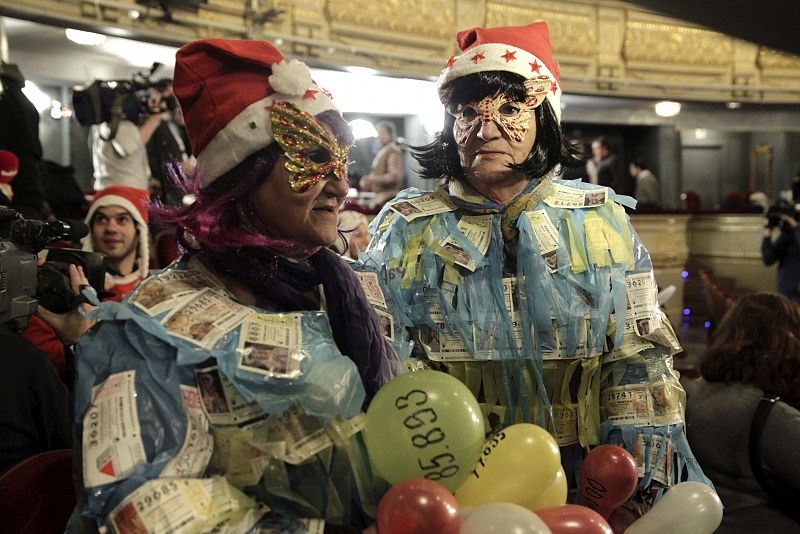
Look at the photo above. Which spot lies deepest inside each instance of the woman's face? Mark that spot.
(308, 218)
(490, 135)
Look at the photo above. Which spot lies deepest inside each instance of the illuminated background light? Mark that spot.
(667, 108)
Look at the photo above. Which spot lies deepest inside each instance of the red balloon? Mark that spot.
(608, 478)
(418, 506)
(621, 519)
(574, 519)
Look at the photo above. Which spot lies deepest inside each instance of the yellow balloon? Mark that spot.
(554, 495)
(516, 466)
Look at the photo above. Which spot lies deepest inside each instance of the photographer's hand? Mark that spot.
(71, 325)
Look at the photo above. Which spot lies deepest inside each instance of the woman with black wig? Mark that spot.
(536, 292)
(232, 382)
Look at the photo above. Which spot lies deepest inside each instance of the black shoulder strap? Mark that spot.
(781, 495)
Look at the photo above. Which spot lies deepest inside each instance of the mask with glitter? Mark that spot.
(513, 118)
(312, 153)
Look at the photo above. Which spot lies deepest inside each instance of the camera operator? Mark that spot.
(120, 157)
(785, 250)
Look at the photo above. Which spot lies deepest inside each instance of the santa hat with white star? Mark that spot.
(523, 50)
(227, 89)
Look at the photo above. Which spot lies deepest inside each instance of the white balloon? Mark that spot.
(502, 518)
(686, 508)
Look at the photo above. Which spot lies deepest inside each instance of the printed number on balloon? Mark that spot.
(445, 471)
(427, 436)
(487, 450)
(417, 419)
(424, 424)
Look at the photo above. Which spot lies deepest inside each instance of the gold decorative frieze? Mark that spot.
(769, 59)
(413, 17)
(572, 31)
(654, 43)
(605, 47)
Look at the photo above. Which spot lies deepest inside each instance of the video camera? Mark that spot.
(24, 284)
(107, 101)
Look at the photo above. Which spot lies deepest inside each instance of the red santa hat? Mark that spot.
(227, 88)
(134, 201)
(9, 166)
(523, 50)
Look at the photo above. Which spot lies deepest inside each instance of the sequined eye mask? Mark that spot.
(513, 118)
(312, 153)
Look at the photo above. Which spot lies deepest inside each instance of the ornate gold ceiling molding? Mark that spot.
(603, 46)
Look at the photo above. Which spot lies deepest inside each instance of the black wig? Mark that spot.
(439, 159)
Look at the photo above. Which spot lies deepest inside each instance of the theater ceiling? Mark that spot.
(603, 47)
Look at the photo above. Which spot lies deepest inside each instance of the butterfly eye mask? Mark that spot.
(312, 153)
(513, 118)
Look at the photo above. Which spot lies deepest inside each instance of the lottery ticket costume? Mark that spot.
(197, 413)
(545, 307)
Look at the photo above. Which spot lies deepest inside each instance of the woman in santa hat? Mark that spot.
(235, 378)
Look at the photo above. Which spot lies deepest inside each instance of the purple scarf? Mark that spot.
(281, 285)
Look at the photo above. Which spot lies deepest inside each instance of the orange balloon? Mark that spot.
(574, 519)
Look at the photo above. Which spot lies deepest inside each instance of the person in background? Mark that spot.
(34, 403)
(117, 221)
(168, 147)
(386, 176)
(602, 168)
(9, 168)
(646, 190)
(354, 227)
(120, 157)
(785, 251)
(19, 133)
(754, 355)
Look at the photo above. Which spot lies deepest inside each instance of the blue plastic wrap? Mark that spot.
(158, 388)
(559, 303)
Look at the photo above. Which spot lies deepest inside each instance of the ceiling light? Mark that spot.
(363, 129)
(667, 108)
(134, 14)
(700, 133)
(733, 104)
(278, 42)
(85, 38)
(37, 97)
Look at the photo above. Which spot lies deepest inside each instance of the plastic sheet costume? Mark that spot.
(523, 304)
(545, 305)
(188, 398)
(199, 413)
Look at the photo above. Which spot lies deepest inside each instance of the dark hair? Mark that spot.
(758, 343)
(388, 126)
(603, 142)
(222, 216)
(640, 163)
(439, 159)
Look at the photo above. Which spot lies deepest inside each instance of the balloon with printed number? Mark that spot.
(608, 478)
(424, 424)
(686, 508)
(516, 466)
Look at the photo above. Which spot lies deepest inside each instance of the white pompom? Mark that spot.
(290, 78)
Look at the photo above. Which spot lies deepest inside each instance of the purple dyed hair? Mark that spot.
(221, 217)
